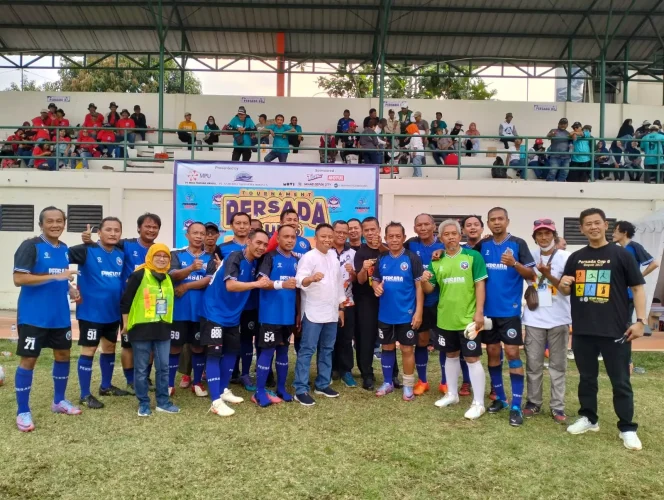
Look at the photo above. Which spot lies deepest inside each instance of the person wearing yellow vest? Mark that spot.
(147, 313)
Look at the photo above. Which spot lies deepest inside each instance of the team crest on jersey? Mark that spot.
(198, 336)
(410, 334)
(47, 255)
(511, 333)
(118, 261)
(464, 265)
(303, 244)
(251, 325)
(472, 345)
(278, 265)
(404, 266)
(68, 335)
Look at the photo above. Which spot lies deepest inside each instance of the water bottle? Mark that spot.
(14, 335)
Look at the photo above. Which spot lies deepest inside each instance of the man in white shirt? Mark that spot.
(417, 149)
(322, 297)
(548, 323)
(507, 130)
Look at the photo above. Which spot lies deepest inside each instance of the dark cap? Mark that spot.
(112, 105)
(92, 105)
(242, 110)
(52, 105)
(211, 225)
(576, 125)
(563, 120)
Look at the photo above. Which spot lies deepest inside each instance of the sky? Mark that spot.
(304, 85)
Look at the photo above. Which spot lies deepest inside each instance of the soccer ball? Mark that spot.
(2, 376)
(471, 331)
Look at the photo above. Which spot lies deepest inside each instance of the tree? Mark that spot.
(430, 82)
(28, 86)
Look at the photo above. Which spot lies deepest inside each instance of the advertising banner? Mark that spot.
(212, 191)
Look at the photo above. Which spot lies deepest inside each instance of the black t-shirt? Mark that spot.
(365, 253)
(599, 293)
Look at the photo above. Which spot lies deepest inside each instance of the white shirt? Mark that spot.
(508, 128)
(416, 143)
(347, 256)
(321, 300)
(559, 312)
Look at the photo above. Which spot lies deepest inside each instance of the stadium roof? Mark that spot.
(336, 30)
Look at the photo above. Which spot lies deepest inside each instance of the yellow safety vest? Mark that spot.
(144, 306)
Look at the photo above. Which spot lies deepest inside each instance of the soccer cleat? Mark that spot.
(531, 410)
(447, 400)
(248, 384)
(497, 406)
(130, 389)
(582, 425)
(492, 395)
(91, 402)
(168, 408)
(384, 389)
(274, 399)
(171, 392)
(378, 355)
(442, 388)
(144, 411)
(185, 382)
(475, 411)
(24, 422)
(65, 407)
(285, 396)
(558, 416)
(546, 353)
(220, 408)
(229, 397)
(328, 392)
(516, 417)
(261, 399)
(465, 389)
(199, 390)
(631, 440)
(112, 391)
(420, 388)
(348, 380)
(408, 394)
(368, 384)
(570, 354)
(305, 399)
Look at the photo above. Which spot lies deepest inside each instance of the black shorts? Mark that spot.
(505, 330)
(454, 340)
(220, 339)
(90, 333)
(429, 319)
(391, 334)
(249, 323)
(32, 339)
(270, 336)
(185, 332)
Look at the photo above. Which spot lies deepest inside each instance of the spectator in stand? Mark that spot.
(659, 127)
(65, 150)
(603, 159)
(561, 141)
(87, 147)
(10, 149)
(187, 125)
(107, 143)
(633, 161)
(280, 140)
(344, 122)
(443, 143)
(112, 117)
(241, 127)
(516, 157)
(23, 149)
(617, 150)
(626, 130)
(369, 140)
(52, 110)
(392, 126)
(439, 123)
(140, 121)
(263, 135)
(93, 120)
(44, 160)
(642, 130)
(59, 121)
(42, 134)
(472, 144)
(581, 158)
(507, 130)
(456, 130)
(416, 145)
(42, 120)
(349, 142)
(295, 140)
(331, 156)
(537, 159)
(212, 132)
(404, 118)
(652, 147)
(127, 125)
(373, 115)
(423, 127)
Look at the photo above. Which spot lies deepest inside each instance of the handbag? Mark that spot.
(530, 295)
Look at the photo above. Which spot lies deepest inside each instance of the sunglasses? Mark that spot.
(543, 222)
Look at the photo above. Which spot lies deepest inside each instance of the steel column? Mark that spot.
(602, 91)
(569, 71)
(160, 21)
(626, 76)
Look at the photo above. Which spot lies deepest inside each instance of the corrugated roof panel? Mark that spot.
(52, 38)
(32, 15)
(84, 40)
(19, 39)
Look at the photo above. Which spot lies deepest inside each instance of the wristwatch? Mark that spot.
(639, 320)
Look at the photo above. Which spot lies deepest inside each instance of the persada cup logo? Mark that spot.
(333, 203)
(244, 177)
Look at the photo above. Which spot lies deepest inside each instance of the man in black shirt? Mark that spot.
(140, 121)
(597, 277)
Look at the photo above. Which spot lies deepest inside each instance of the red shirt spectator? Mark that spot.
(15, 137)
(59, 120)
(42, 133)
(43, 120)
(38, 151)
(113, 117)
(106, 135)
(126, 123)
(87, 143)
(91, 120)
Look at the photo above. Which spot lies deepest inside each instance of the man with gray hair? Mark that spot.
(423, 127)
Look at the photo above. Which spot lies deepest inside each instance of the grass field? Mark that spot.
(356, 446)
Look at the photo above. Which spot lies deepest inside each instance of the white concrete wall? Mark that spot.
(129, 195)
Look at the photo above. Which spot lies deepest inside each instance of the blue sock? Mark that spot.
(263, 367)
(464, 371)
(198, 362)
(442, 357)
(60, 378)
(247, 350)
(282, 371)
(227, 364)
(173, 363)
(23, 383)
(236, 368)
(106, 364)
(84, 374)
(129, 375)
(387, 360)
(496, 375)
(517, 389)
(421, 360)
(212, 370)
(502, 355)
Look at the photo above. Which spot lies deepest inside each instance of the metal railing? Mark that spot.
(398, 154)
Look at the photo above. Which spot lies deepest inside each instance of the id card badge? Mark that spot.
(162, 307)
(545, 297)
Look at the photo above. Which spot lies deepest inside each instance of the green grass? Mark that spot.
(357, 446)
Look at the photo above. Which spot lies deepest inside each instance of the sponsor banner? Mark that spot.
(213, 191)
(545, 107)
(252, 100)
(395, 104)
(57, 98)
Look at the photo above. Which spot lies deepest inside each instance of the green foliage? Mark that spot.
(430, 83)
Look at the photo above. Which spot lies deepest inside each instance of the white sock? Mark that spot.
(477, 381)
(452, 373)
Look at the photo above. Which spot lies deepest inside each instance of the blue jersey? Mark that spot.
(99, 281)
(45, 305)
(188, 306)
(220, 305)
(223, 251)
(504, 288)
(398, 274)
(134, 256)
(424, 252)
(643, 258)
(277, 306)
(301, 247)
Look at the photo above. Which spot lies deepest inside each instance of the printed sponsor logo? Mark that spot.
(244, 177)
(216, 199)
(511, 333)
(313, 177)
(333, 203)
(335, 177)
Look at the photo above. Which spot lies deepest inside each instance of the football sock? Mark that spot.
(517, 389)
(421, 360)
(227, 364)
(496, 375)
(442, 358)
(452, 372)
(477, 381)
(23, 383)
(213, 371)
(60, 378)
(464, 371)
(84, 374)
(387, 360)
(106, 365)
(247, 350)
(173, 363)
(282, 369)
(129, 375)
(198, 362)
(263, 367)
